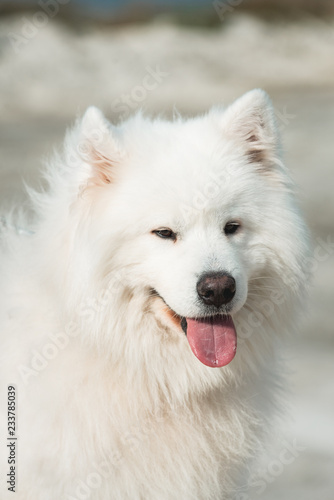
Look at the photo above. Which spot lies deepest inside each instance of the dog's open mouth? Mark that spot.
(213, 339)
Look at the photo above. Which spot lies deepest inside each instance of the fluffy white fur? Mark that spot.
(112, 403)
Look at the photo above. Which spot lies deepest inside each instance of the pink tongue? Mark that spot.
(212, 340)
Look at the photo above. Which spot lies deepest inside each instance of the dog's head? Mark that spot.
(196, 217)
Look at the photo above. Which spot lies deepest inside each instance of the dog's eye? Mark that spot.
(231, 227)
(166, 234)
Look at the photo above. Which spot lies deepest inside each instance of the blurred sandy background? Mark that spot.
(57, 68)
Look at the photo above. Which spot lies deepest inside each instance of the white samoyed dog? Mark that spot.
(157, 244)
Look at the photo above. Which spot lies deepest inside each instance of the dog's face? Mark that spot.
(192, 212)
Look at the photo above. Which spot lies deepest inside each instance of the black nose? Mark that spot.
(216, 289)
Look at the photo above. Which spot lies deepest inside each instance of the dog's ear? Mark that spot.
(97, 146)
(250, 120)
